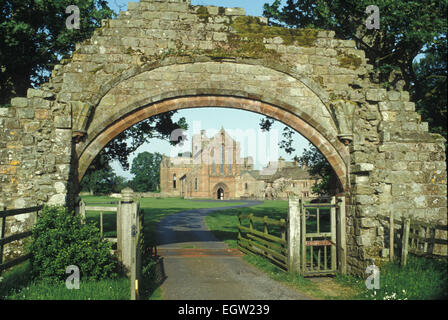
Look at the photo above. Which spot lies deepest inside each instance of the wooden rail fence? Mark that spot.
(14, 237)
(251, 240)
(83, 208)
(129, 239)
(310, 242)
(416, 237)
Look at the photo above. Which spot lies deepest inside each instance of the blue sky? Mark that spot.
(212, 119)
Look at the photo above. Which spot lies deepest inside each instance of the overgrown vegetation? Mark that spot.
(421, 279)
(60, 239)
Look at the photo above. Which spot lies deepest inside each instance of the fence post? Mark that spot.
(294, 235)
(391, 236)
(342, 236)
(126, 218)
(2, 234)
(405, 243)
(128, 233)
(303, 235)
(333, 233)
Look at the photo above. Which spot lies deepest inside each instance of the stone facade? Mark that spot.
(165, 55)
(215, 170)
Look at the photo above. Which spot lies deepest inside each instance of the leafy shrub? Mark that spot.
(60, 239)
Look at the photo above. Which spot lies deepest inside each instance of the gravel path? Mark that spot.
(200, 267)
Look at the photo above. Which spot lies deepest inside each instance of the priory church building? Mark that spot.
(216, 170)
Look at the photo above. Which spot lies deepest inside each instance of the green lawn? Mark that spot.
(16, 283)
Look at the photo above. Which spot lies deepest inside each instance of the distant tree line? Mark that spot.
(145, 168)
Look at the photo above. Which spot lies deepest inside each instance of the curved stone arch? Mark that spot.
(223, 186)
(313, 135)
(170, 61)
(100, 121)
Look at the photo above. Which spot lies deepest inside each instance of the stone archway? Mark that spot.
(168, 55)
(221, 191)
(220, 194)
(332, 153)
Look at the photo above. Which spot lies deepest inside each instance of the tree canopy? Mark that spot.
(34, 37)
(146, 171)
(406, 28)
(102, 180)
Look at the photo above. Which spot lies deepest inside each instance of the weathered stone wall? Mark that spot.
(166, 55)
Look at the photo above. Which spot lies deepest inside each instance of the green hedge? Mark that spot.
(60, 239)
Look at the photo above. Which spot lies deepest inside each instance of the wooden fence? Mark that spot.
(310, 242)
(83, 208)
(129, 237)
(253, 241)
(416, 237)
(14, 237)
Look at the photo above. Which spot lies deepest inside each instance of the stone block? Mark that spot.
(35, 93)
(363, 167)
(25, 113)
(394, 95)
(62, 122)
(4, 112)
(19, 102)
(364, 199)
(235, 12)
(376, 94)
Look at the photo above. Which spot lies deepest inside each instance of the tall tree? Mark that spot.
(103, 180)
(34, 36)
(319, 167)
(431, 71)
(161, 127)
(146, 169)
(406, 28)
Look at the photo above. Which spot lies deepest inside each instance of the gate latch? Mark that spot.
(133, 230)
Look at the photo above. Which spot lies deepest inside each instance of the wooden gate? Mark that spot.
(322, 241)
(130, 237)
(310, 242)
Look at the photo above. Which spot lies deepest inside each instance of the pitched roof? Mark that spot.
(295, 173)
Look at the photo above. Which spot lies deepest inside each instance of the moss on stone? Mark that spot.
(349, 60)
(248, 41)
(253, 29)
(237, 47)
(203, 14)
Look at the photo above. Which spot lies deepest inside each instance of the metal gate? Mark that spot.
(322, 238)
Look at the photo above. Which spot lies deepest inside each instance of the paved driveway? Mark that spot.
(200, 267)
